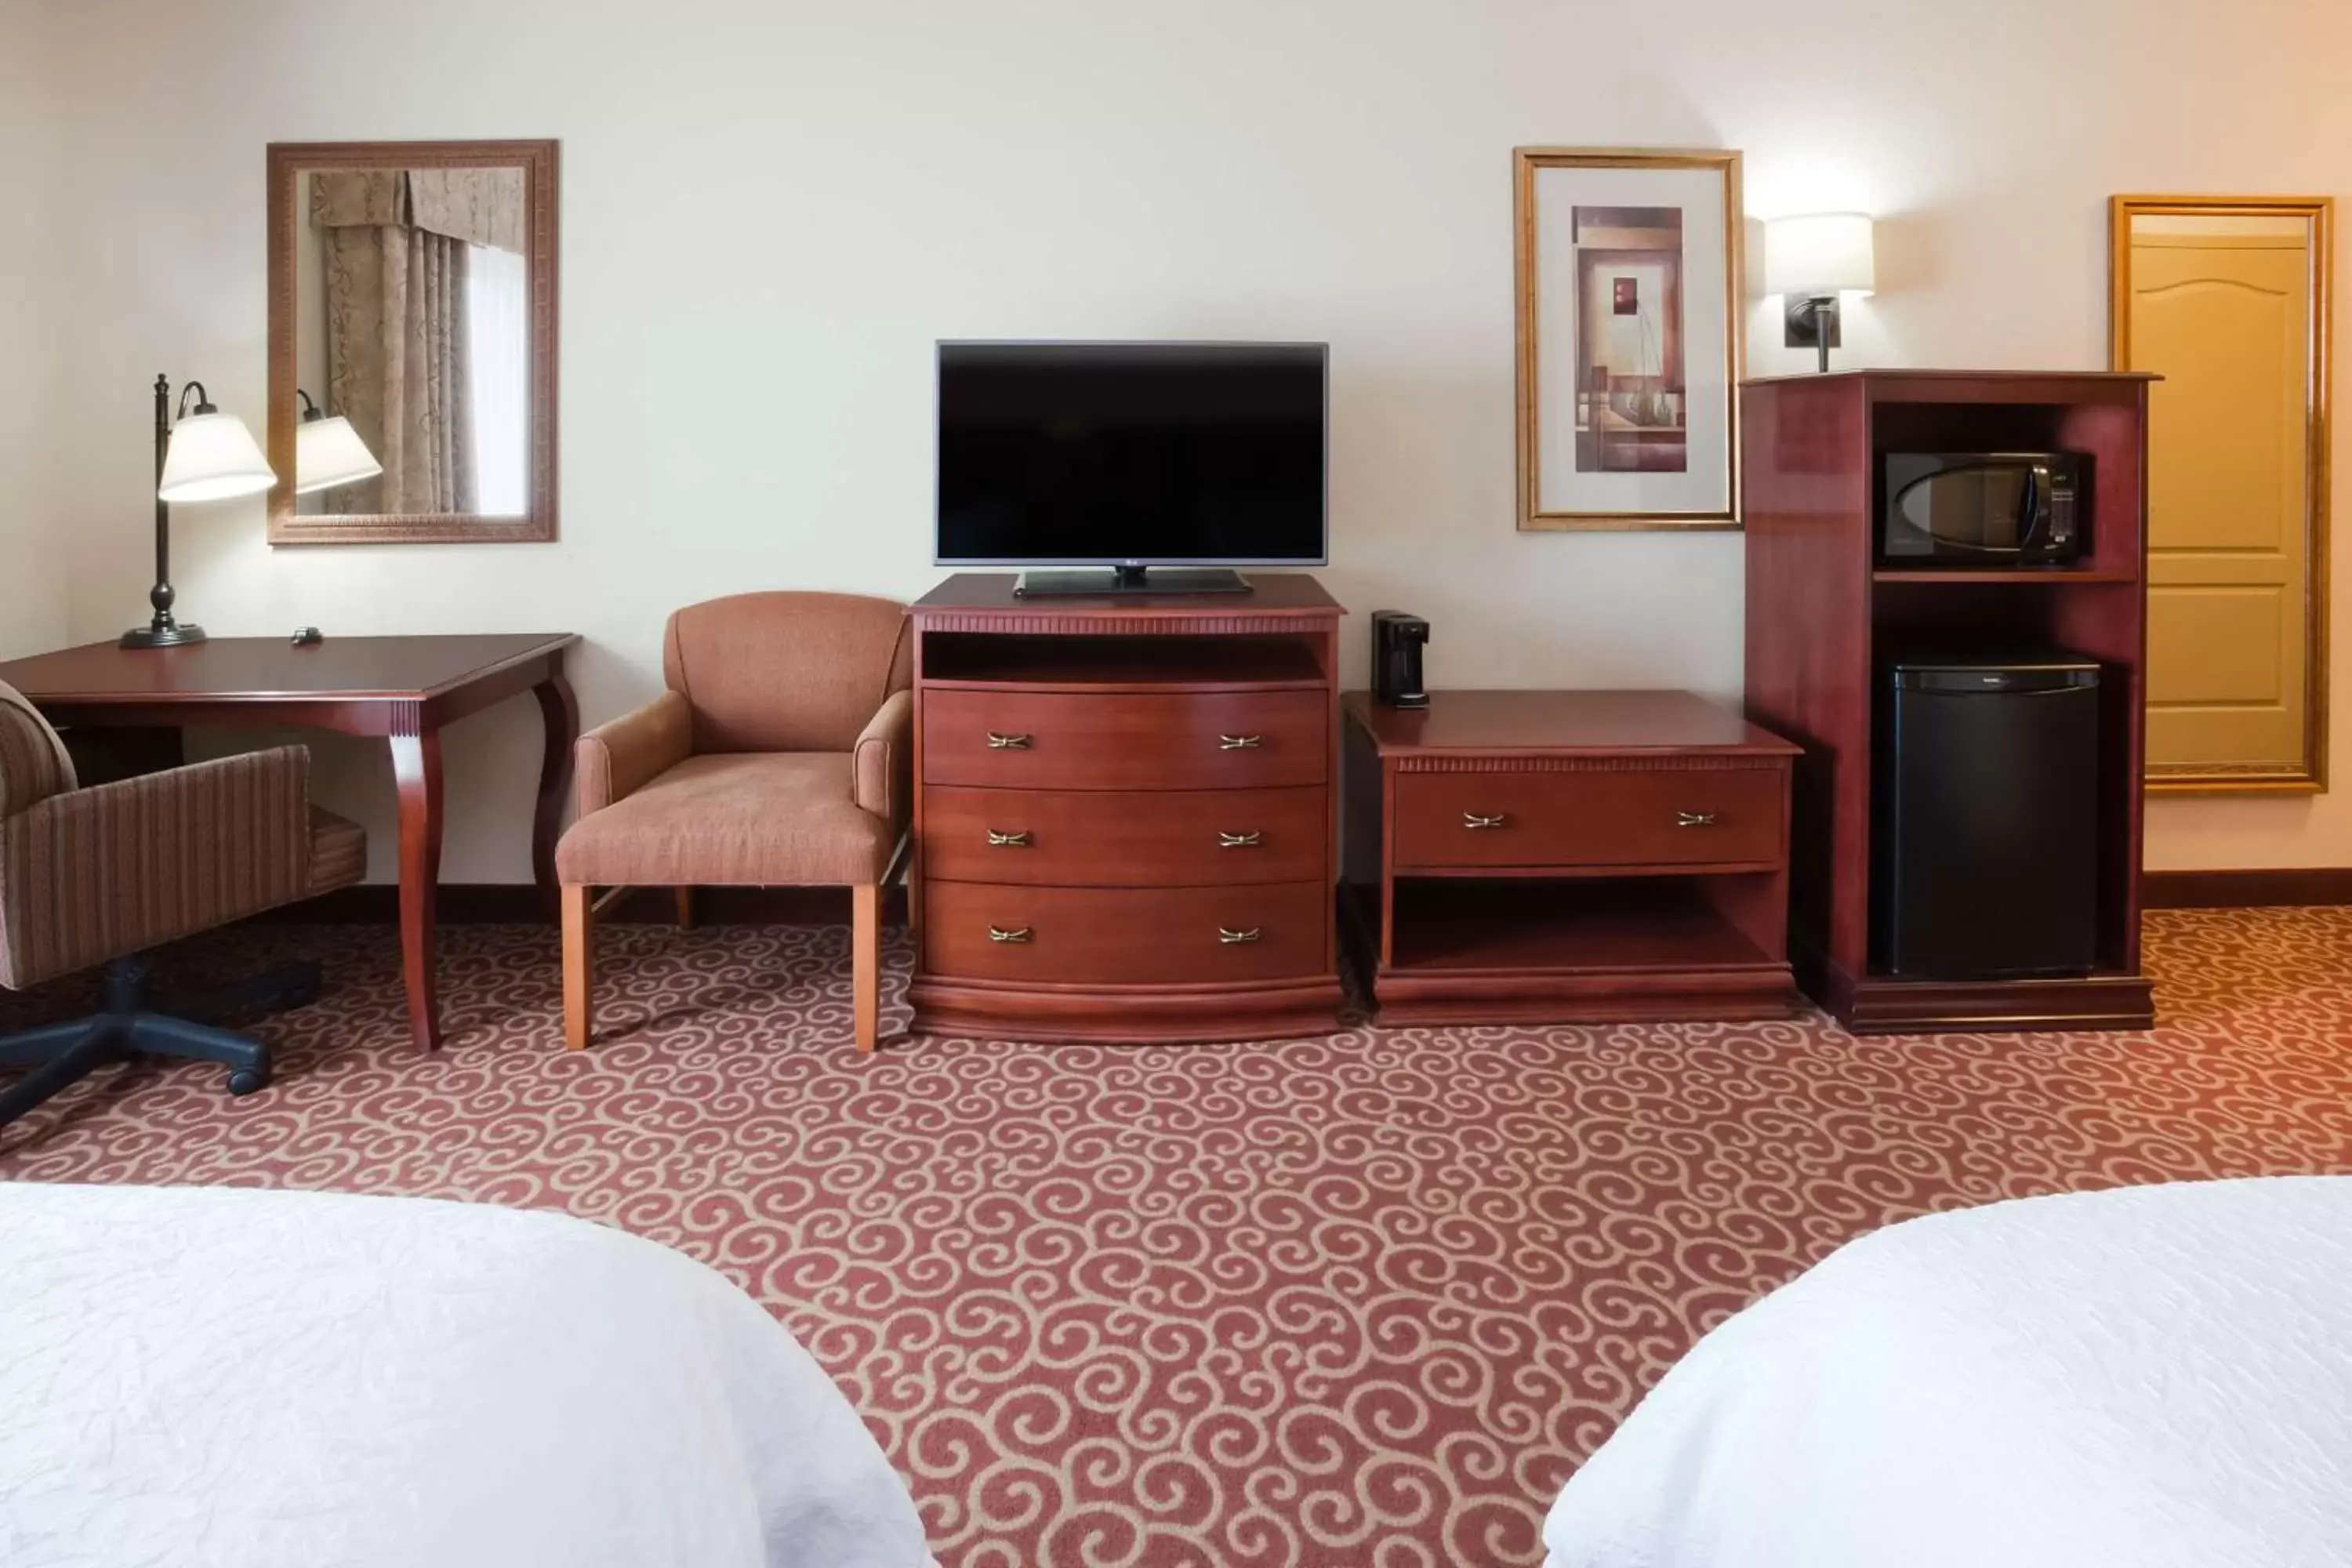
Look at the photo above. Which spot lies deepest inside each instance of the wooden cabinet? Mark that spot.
(1822, 616)
(1567, 856)
(1124, 824)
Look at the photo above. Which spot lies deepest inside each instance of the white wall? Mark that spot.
(32, 569)
(772, 208)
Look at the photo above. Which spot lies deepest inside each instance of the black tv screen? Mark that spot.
(1157, 454)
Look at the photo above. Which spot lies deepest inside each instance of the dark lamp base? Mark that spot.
(169, 636)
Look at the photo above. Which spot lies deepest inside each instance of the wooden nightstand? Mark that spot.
(1566, 857)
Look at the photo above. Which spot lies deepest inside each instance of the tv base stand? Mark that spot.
(1123, 814)
(1129, 580)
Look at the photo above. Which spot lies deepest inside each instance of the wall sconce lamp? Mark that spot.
(328, 452)
(1810, 261)
(206, 456)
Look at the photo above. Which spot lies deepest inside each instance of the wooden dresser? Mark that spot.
(1125, 826)
(1567, 856)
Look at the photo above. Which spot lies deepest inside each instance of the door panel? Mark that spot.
(2221, 306)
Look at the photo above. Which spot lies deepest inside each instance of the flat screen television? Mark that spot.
(1130, 456)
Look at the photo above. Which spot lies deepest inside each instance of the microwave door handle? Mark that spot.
(2030, 524)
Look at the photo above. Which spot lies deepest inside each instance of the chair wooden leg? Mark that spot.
(579, 963)
(685, 900)
(866, 962)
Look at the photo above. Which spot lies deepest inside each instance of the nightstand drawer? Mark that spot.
(1206, 740)
(1114, 839)
(1123, 936)
(1636, 816)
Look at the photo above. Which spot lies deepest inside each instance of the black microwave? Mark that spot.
(1989, 509)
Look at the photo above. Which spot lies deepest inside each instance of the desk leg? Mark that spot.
(560, 713)
(417, 769)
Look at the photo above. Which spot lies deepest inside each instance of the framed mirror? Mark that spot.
(412, 342)
(2226, 297)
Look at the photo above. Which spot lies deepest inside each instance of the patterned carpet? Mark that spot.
(1359, 1301)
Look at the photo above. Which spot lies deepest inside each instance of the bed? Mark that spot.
(205, 1377)
(2152, 1377)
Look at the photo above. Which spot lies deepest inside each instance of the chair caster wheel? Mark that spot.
(245, 1080)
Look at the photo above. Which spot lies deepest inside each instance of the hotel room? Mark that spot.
(1545, 784)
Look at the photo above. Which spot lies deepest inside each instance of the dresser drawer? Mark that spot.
(1106, 936)
(1112, 839)
(1641, 817)
(1200, 740)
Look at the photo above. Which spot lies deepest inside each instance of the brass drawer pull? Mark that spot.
(997, 743)
(1240, 743)
(1695, 820)
(1018, 933)
(1019, 840)
(1472, 820)
(1238, 840)
(1231, 937)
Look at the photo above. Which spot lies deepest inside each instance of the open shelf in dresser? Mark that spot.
(1596, 924)
(1113, 663)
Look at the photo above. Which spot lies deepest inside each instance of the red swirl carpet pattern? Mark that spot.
(1359, 1301)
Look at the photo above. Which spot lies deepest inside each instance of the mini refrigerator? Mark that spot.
(1984, 854)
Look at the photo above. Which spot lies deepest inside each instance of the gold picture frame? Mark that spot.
(2308, 776)
(1656, 447)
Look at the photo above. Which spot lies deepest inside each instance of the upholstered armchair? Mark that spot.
(778, 757)
(98, 875)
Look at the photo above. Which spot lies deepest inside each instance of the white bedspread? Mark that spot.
(2157, 1377)
(287, 1380)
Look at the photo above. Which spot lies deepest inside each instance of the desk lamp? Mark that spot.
(206, 456)
(210, 456)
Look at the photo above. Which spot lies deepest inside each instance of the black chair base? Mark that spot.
(63, 1054)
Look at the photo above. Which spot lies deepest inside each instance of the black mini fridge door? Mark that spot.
(1985, 849)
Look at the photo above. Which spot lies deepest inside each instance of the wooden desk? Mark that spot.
(402, 688)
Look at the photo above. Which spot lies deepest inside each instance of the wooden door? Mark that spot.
(2221, 306)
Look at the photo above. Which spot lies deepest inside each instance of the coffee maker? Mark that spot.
(1397, 642)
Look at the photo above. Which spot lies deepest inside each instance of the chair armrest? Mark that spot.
(885, 756)
(623, 755)
(99, 873)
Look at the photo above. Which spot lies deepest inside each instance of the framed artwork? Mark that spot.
(1629, 353)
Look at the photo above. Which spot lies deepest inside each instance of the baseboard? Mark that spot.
(2245, 890)
(517, 903)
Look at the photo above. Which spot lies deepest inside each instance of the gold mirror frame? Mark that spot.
(2311, 778)
(536, 524)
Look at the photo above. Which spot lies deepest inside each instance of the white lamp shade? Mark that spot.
(212, 458)
(1818, 254)
(328, 452)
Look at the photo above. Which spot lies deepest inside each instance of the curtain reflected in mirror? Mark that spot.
(414, 324)
(2225, 298)
(409, 283)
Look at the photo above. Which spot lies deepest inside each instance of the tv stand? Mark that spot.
(1124, 814)
(1092, 583)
